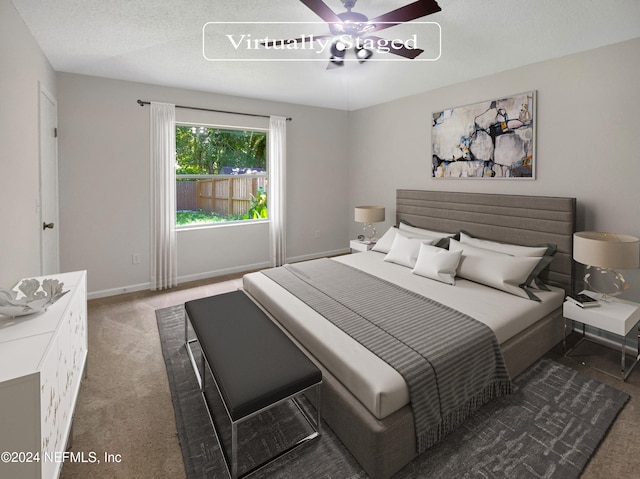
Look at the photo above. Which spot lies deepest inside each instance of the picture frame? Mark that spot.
(491, 139)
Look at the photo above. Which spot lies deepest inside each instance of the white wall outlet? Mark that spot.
(135, 258)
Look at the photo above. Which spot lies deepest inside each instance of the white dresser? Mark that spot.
(42, 359)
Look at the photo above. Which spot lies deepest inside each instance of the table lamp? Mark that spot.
(602, 253)
(369, 215)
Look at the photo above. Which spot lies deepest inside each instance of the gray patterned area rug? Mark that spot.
(548, 428)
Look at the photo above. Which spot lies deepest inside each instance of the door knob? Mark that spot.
(47, 225)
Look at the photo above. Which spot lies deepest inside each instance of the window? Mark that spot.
(221, 175)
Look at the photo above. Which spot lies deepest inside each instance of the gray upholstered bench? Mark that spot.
(253, 363)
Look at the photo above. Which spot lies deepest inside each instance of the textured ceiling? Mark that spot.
(162, 42)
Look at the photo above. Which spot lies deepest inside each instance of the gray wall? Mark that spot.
(104, 185)
(588, 139)
(23, 69)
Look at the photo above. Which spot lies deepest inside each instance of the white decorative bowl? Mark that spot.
(32, 297)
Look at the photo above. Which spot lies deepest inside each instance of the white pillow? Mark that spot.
(544, 251)
(383, 245)
(405, 250)
(437, 263)
(405, 228)
(501, 271)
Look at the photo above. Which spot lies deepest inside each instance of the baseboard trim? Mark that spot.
(116, 291)
(222, 272)
(210, 274)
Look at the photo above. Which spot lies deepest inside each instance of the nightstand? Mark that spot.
(616, 316)
(357, 245)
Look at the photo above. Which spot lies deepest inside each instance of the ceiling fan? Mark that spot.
(350, 29)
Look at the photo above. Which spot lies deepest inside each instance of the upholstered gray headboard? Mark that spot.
(525, 220)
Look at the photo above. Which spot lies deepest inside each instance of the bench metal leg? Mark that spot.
(319, 408)
(315, 424)
(187, 343)
(203, 375)
(234, 450)
(231, 460)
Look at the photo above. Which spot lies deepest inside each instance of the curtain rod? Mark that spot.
(143, 103)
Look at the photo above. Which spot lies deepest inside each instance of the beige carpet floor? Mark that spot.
(125, 410)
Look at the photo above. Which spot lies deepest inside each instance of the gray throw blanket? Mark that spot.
(451, 362)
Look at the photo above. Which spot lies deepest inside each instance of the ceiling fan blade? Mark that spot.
(303, 39)
(406, 14)
(322, 10)
(409, 53)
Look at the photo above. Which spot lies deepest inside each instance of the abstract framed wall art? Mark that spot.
(491, 139)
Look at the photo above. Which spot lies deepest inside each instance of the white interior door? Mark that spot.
(49, 242)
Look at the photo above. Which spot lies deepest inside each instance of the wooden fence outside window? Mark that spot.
(227, 195)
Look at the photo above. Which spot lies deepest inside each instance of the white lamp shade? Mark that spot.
(369, 214)
(606, 250)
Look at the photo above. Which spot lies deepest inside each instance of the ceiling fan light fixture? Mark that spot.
(363, 54)
(338, 51)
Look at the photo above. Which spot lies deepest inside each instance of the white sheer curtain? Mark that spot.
(164, 262)
(277, 182)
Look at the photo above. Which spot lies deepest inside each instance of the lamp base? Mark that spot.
(607, 282)
(369, 237)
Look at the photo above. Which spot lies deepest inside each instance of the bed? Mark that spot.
(367, 402)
